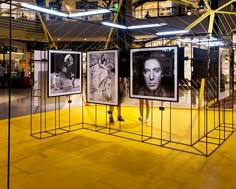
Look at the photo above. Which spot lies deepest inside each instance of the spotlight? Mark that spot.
(189, 10)
(201, 4)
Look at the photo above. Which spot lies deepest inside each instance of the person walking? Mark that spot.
(141, 107)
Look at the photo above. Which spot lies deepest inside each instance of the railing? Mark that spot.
(159, 12)
(21, 13)
(18, 13)
(138, 13)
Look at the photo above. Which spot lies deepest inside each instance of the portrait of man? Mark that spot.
(153, 73)
(102, 77)
(64, 73)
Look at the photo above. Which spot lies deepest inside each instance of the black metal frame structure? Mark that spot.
(39, 111)
(204, 135)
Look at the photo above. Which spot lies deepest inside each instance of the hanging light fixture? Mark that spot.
(88, 13)
(201, 5)
(44, 10)
(53, 12)
(173, 32)
(114, 25)
(133, 27)
(146, 26)
(189, 10)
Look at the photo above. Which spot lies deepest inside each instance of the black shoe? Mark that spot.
(120, 118)
(111, 120)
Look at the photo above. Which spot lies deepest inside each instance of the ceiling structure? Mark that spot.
(77, 32)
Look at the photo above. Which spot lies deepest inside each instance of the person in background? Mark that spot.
(122, 95)
(147, 15)
(141, 106)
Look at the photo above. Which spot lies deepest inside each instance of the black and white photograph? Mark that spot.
(223, 73)
(102, 77)
(153, 73)
(64, 70)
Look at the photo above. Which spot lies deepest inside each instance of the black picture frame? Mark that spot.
(141, 86)
(102, 77)
(64, 73)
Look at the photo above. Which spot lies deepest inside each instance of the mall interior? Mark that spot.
(55, 139)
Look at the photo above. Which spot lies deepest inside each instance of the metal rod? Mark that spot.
(69, 112)
(9, 101)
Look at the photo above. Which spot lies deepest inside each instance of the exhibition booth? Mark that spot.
(197, 95)
(175, 92)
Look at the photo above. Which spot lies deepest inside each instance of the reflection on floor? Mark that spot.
(21, 102)
(86, 159)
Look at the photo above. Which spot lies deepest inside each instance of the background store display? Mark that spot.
(64, 73)
(102, 77)
(167, 57)
(124, 63)
(223, 73)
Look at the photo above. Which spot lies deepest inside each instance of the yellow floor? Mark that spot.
(85, 159)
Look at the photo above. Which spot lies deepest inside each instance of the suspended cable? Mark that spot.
(227, 22)
(223, 25)
(232, 20)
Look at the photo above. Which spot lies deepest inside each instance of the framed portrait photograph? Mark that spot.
(64, 73)
(153, 73)
(223, 73)
(102, 77)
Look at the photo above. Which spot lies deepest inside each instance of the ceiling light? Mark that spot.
(40, 9)
(197, 40)
(173, 32)
(114, 25)
(201, 4)
(88, 13)
(211, 44)
(133, 27)
(210, 39)
(146, 26)
(189, 10)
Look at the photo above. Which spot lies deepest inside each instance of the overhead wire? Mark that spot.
(223, 25)
(226, 20)
(128, 19)
(232, 20)
(91, 37)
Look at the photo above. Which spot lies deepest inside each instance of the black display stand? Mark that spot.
(41, 106)
(210, 122)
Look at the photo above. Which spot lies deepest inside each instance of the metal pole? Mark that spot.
(9, 101)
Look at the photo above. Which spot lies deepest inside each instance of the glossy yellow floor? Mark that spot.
(85, 159)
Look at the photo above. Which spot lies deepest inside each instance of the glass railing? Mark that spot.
(31, 15)
(158, 12)
(18, 14)
(138, 13)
